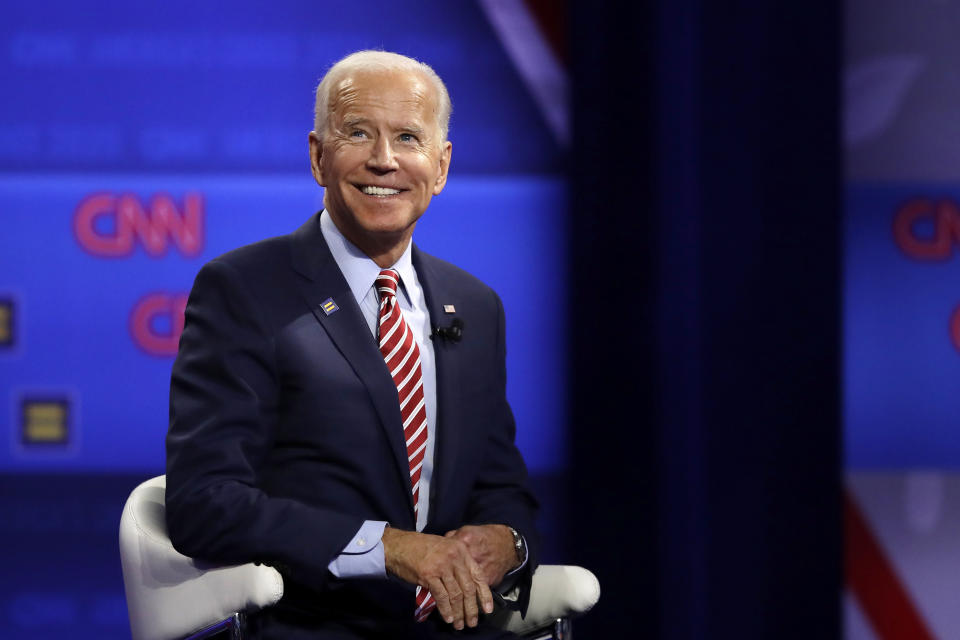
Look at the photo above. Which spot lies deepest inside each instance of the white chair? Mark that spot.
(171, 596)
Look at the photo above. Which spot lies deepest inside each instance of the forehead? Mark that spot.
(394, 93)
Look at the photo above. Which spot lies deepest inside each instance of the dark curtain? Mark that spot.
(704, 306)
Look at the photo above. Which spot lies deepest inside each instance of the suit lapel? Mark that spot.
(437, 293)
(347, 328)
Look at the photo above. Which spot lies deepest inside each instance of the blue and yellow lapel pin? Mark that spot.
(329, 306)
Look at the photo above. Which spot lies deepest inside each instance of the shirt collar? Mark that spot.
(358, 269)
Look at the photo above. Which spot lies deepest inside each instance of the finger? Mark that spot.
(439, 593)
(455, 599)
(450, 534)
(468, 584)
(484, 596)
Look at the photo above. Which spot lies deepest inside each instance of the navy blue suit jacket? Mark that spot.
(285, 430)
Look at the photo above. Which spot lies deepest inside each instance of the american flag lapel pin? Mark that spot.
(329, 306)
(449, 308)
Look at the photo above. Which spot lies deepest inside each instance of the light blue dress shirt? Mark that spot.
(363, 556)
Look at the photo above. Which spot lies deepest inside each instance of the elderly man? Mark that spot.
(338, 404)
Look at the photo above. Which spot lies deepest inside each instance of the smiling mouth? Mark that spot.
(382, 192)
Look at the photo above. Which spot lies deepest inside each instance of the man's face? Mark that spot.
(381, 159)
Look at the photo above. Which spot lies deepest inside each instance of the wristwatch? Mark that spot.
(519, 546)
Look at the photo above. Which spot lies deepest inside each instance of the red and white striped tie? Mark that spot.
(402, 356)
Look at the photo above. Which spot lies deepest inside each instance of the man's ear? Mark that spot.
(445, 155)
(316, 150)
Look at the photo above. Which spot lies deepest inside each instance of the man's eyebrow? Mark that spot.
(353, 121)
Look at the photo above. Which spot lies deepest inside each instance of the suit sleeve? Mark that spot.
(501, 494)
(224, 396)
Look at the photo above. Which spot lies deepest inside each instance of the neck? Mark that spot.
(386, 258)
(383, 248)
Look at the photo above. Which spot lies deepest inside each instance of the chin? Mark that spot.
(386, 221)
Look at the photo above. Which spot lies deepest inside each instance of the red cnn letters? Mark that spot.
(110, 225)
(156, 323)
(942, 216)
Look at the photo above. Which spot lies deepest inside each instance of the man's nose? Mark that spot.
(382, 156)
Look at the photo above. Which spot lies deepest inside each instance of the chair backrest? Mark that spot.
(170, 595)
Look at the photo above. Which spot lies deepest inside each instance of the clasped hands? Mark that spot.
(458, 568)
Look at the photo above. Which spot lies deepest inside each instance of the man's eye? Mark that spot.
(357, 133)
(407, 137)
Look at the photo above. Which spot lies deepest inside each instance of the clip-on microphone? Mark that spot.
(453, 333)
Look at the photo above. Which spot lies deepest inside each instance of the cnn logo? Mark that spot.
(110, 225)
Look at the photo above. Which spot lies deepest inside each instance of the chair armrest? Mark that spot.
(170, 595)
(558, 591)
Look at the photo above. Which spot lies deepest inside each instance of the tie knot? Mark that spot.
(386, 283)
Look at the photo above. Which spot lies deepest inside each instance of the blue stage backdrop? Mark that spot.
(138, 141)
(902, 233)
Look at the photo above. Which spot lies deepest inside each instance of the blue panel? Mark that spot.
(902, 326)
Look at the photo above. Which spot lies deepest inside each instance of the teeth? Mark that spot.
(378, 191)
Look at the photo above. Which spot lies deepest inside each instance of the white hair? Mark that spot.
(370, 60)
